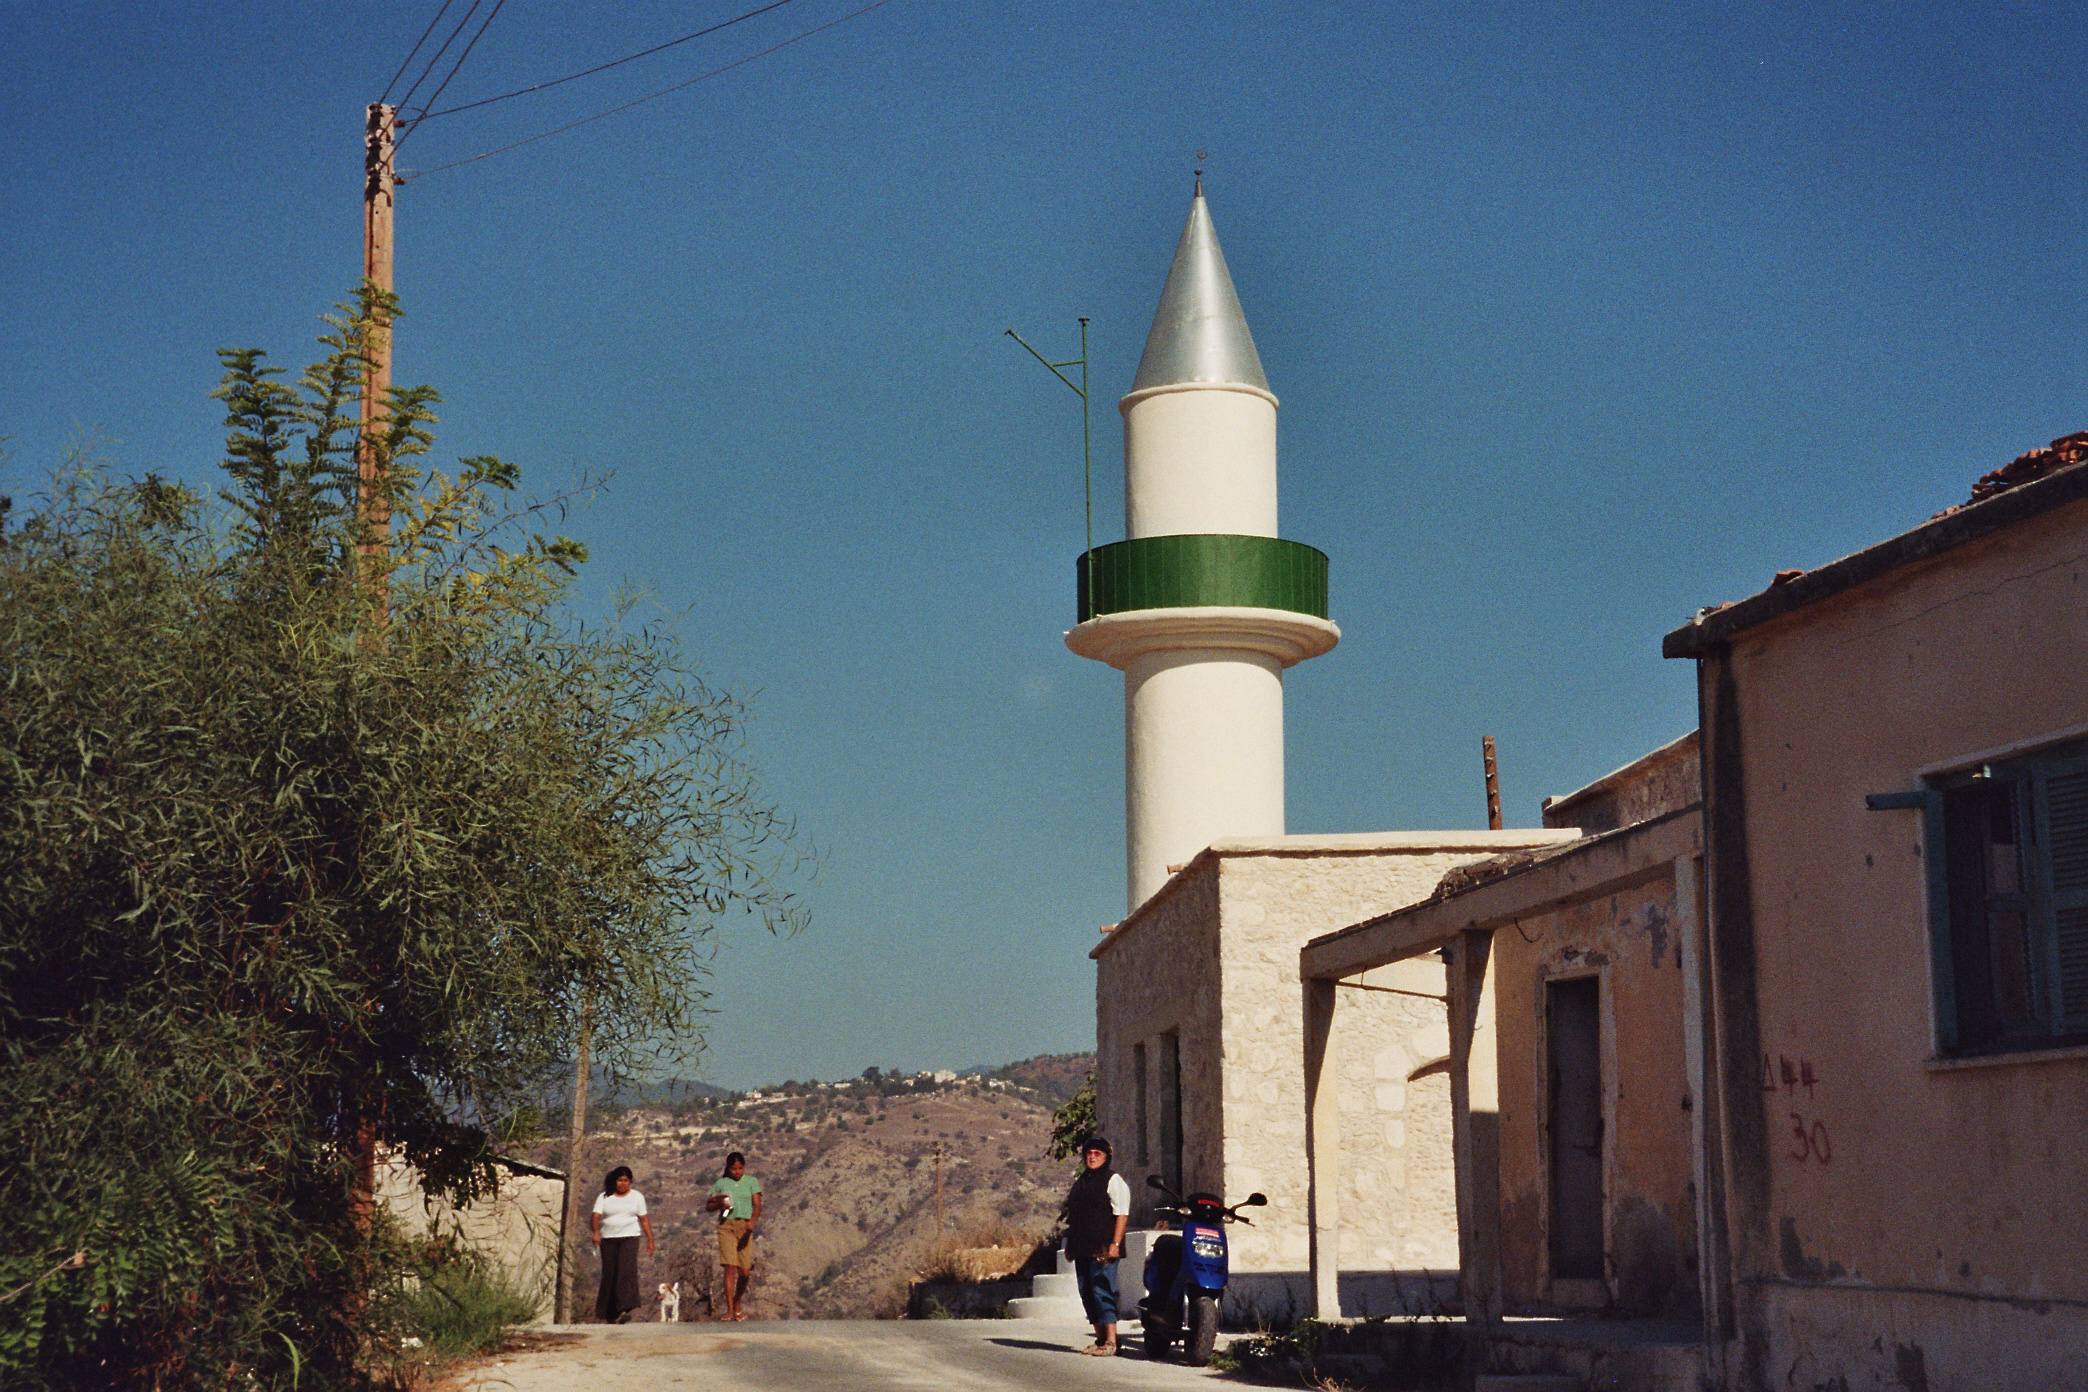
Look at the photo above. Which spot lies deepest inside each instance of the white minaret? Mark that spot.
(1203, 606)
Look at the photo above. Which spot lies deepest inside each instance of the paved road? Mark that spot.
(829, 1356)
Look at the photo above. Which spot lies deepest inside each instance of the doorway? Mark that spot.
(1573, 1026)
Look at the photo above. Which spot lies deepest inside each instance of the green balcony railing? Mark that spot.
(1176, 572)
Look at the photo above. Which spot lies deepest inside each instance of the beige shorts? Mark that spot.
(736, 1243)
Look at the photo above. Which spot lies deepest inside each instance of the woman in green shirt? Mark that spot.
(736, 1199)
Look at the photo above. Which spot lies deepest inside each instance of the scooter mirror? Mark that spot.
(1153, 1182)
(1257, 1200)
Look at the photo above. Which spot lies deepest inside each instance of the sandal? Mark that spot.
(1101, 1350)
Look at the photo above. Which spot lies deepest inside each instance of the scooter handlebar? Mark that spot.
(1180, 1210)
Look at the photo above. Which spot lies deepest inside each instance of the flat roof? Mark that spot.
(1331, 844)
(1489, 892)
(1932, 538)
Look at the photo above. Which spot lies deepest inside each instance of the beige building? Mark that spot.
(1788, 1087)
(1896, 866)
(1573, 981)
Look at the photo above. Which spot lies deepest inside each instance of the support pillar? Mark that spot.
(1475, 1121)
(1323, 1148)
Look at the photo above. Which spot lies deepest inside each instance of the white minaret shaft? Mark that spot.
(1202, 607)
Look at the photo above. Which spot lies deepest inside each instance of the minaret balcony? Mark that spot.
(1202, 571)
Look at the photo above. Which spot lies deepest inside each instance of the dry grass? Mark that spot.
(982, 1252)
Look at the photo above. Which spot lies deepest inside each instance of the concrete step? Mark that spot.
(1065, 1287)
(1065, 1309)
(1527, 1382)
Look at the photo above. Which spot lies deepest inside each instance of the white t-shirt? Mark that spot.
(621, 1212)
(1119, 1197)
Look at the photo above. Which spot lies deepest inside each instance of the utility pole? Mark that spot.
(380, 183)
(938, 1191)
(1493, 785)
(576, 1136)
(375, 513)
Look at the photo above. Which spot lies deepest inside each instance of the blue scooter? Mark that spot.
(1185, 1274)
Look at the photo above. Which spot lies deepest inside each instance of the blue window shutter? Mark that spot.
(2061, 793)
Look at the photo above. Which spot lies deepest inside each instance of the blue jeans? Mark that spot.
(1098, 1288)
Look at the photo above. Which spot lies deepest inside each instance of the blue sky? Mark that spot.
(1583, 316)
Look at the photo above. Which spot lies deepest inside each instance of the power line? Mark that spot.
(584, 120)
(454, 67)
(429, 70)
(604, 67)
(416, 51)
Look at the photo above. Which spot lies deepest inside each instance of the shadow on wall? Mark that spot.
(1279, 1299)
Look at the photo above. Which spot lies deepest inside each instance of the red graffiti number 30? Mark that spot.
(1809, 1142)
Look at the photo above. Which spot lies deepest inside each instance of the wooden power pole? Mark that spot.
(938, 1191)
(380, 183)
(1493, 785)
(569, 1220)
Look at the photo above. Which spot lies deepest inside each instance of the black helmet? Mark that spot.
(1096, 1143)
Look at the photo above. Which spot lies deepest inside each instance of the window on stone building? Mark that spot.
(1171, 1110)
(1138, 1088)
(2008, 884)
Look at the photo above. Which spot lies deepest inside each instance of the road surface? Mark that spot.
(828, 1356)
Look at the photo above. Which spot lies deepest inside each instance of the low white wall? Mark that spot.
(517, 1227)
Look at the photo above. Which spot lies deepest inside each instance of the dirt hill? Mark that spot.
(849, 1172)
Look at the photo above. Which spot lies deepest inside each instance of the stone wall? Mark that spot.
(1161, 977)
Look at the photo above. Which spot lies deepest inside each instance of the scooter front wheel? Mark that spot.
(1201, 1336)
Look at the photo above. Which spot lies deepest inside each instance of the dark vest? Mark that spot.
(1090, 1224)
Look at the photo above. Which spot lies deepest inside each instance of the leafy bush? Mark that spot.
(312, 836)
(464, 1306)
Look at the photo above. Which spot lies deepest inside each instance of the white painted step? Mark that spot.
(1049, 1307)
(1054, 1296)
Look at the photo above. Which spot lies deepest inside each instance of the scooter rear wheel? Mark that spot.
(1201, 1335)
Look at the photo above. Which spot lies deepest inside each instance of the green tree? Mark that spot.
(304, 842)
(1073, 1121)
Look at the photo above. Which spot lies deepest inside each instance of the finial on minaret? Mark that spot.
(1201, 156)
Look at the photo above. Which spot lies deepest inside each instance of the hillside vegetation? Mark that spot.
(850, 1177)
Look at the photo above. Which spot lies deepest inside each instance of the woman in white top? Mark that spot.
(1097, 1208)
(619, 1219)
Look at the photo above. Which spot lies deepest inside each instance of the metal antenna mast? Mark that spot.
(1087, 464)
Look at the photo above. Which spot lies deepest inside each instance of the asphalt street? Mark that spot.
(826, 1356)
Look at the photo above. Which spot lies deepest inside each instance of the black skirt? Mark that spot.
(619, 1292)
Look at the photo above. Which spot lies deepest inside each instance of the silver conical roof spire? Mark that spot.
(1199, 333)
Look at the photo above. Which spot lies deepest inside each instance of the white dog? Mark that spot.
(670, 1303)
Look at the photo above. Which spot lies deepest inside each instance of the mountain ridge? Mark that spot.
(850, 1174)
